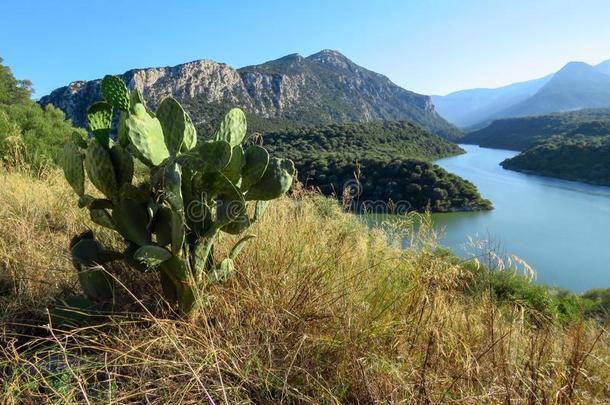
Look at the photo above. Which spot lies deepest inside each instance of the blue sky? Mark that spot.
(429, 46)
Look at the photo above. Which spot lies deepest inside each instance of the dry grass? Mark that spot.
(320, 310)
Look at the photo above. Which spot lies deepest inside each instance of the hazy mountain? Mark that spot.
(604, 67)
(325, 87)
(576, 86)
(523, 132)
(469, 107)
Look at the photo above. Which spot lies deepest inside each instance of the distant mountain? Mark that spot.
(323, 88)
(466, 108)
(523, 132)
(576, 86)
(604, 67)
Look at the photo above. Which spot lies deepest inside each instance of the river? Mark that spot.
(560, 228)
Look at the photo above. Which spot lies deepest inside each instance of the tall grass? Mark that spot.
(319, 310)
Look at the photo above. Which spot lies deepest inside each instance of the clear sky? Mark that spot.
(428, 46)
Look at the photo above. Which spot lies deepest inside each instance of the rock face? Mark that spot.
(325, 87)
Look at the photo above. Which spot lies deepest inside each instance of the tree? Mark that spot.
(13, 90)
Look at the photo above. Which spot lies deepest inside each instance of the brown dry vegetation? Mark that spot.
(319, 310)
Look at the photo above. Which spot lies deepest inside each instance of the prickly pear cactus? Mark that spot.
(171, 220)
(115, 92)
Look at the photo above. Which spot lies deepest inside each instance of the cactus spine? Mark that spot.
(194, 193)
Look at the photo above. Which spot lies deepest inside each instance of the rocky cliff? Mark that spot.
(325, 87)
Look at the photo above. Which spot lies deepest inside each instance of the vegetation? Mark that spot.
(29, 134)
(319, 310)
(209, 115)
(577, 158)
(156, 216)
(376, 163)
(525, 132)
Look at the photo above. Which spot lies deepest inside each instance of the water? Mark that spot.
(560, 228)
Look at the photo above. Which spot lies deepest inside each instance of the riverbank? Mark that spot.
(538, 219)
(318, 310)
(584, 159)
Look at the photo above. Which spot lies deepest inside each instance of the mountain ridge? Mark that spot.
(521, 133)
(322, 88)
(577, 85)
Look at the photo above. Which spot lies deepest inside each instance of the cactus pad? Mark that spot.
(257, 159)
(235, 166)
(190, 135)
(115, 92)
(122, 163)
(80, 139)
(73, 168)
(233, 127)
(99, 117)
(101, 217)
(131, 219)
(87, 256)
(276, 180)
(174, 123)
(162, 226)
(152, 256)
(100, 169)
(146, 135)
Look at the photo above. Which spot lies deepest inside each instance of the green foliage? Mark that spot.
(513, 289)
(13, 91)
(597, 303)
(388, 158)
(573, 158)
(194, 192)
(29, 134)
(524, 132)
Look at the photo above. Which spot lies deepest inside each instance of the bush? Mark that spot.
(29, 135)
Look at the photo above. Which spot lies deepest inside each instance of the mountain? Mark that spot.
(575, 86)
(322, 88)
(604, 67)
(523, 132)
(466, 108)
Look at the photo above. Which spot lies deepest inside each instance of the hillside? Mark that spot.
(319, 309)
(322, 88)
(585, 159)
(388, 159)
(521, 133)
(29, 134)
(575, 86)
(470, 107)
